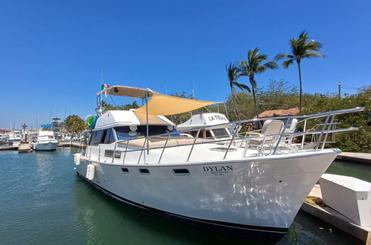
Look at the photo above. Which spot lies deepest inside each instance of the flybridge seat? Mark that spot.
(290, 130)
(268, 134)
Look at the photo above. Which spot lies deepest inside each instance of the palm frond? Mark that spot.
(303, 47)
(260, 69)
(243, 69)
(281, 56)
(313, 45)
(232, 73)
(242, 86)
(287, 63)
(271, 65)
(313, 54)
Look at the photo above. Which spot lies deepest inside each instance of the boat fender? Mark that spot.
(76, 158)
(90, 171)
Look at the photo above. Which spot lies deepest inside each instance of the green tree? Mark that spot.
(233, 75)
(109, 107)
(74, 124)
(301, 48)
(256, 63)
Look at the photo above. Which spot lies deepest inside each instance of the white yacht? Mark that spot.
(14, 138)
(45, 141)
(252, 183)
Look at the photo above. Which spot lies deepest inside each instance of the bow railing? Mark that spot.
(268, 144)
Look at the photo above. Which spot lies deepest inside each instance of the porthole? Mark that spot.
(181, 171)
(144, 171)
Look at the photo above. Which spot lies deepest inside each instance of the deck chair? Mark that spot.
(268, 135)
(289, 130)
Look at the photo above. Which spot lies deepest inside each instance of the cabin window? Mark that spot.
(108, 153)
(91, 138)
(193, 133)
(144, 171)
(104, 132)
(220, 133)
(205, 134)
(181, 171)
(125, 170)
(97, 137)
(109, 138)
(117, 154)
(122, 133)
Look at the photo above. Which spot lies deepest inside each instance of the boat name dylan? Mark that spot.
(218, 170)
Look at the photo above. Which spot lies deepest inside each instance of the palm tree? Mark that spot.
(232, 74)
(301, 48)
(254, 65)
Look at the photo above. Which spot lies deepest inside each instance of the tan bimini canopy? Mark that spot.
(166, 105)
(127, 91)
(152, 119)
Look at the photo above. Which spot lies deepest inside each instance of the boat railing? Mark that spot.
(269, 144)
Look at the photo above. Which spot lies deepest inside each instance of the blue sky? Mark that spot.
(52, 52)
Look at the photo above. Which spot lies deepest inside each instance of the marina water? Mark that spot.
(42, 201)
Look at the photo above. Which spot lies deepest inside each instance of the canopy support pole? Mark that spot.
(226, 111)
(147, 126)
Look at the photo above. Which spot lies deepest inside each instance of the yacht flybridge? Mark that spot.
(247, 182)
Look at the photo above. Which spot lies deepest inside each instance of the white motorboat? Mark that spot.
(45, 141)
(250, 183)
(14, 138)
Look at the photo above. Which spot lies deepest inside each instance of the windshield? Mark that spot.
(220, 132)
(124, 133)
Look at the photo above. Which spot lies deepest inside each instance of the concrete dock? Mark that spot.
(71, 144)
(355, 157)
(8, 148)
(25, 147)
(315, 206)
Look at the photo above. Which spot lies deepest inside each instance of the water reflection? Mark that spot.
(43, 202)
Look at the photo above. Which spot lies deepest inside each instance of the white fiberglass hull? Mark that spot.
(260, 194)
(45, 146)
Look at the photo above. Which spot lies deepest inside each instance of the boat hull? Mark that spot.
(263, 233)
(49, 146)
(261, 195)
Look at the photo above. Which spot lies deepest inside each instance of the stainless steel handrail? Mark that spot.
(193, 145)
(141, 151)
(230, 143)
(229, 140)
(163, 149)
(326, 129)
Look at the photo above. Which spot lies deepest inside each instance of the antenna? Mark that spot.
(101, 75)
(193, 91)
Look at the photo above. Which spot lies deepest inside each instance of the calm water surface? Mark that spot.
(42, 201)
